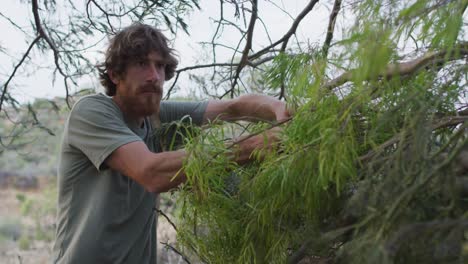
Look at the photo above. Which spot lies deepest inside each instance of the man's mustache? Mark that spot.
(151, 88)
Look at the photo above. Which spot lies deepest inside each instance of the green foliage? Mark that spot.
(40, 209)
(367, 171)
(24, 242)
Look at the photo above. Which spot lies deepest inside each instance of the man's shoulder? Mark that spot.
(95, 107)
(95, 103)
(93, 99)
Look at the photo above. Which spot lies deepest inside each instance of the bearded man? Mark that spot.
(112, 166)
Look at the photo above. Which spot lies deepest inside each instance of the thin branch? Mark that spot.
(42, 33)
(179, 71)
(406, 68)
(215, 35)
(105, 13)
(288, 34)
(248, 45)
(168, 246)
(284, 40)
(26, 54)
(20, 28)
(167, 218)
(226, 64)
(331, 27)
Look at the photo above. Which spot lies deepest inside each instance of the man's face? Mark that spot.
(140, 88)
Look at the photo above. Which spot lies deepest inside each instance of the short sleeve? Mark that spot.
(96, 127)
(176, 111)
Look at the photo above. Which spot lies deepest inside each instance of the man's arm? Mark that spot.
(250, 107)
(156, 171)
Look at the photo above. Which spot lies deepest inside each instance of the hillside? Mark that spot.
(32, 134)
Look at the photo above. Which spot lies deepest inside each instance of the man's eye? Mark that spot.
(160, 65)
(142, 63)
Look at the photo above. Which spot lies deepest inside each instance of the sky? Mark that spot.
(38, 83)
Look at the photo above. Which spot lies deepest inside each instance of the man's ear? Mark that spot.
(114, 78)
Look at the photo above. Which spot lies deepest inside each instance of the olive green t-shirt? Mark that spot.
(104, 216)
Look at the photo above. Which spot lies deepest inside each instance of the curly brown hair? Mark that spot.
(132, 44)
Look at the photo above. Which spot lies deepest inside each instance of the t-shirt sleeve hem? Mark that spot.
(200, 113)
(107, 151)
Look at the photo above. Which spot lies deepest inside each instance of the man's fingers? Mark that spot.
(282, 112)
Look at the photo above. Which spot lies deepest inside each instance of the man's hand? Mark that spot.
(265, 143)
(282, 113)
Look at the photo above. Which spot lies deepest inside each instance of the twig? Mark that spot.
(248, 46)
(26, 54)
(226, 64)
(104, 12)
(179, 71)
(167, 218)
(42, 33)
(331, 27)
(215, 35)
(167, 245)
(288, 34)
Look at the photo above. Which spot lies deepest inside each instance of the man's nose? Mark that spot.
(154, 74)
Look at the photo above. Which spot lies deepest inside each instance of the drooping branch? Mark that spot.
(26, 54)
(430, 59)
(288, 34)
(40, 30)
(248, 46)
(285, 40)
(167, 218)
(331, 27)
(215, 35)
(168, 246)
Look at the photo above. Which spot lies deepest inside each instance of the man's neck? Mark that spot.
(129, 115)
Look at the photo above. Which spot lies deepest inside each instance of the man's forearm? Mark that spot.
(165, 171)
(250, 107)
(254, 107)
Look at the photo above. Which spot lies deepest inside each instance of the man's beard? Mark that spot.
(151, 101)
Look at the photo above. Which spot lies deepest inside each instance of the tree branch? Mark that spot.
(438, 58)
(226, 64)
(331, 27)
(248, 46)
(42, 33)
(168, 246)
(26, 54)
(288, 34)
(167, 218)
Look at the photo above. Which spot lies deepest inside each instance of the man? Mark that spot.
(112, 166)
